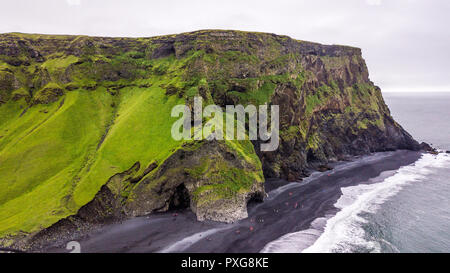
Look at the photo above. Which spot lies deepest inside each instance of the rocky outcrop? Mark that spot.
(212, 178)
(48, 94)
(8, 83)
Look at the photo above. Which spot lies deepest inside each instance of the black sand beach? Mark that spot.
(289, 207)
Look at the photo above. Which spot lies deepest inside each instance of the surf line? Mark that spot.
(190, 240)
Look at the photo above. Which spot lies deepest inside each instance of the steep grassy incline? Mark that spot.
(54, 159)
(85, 122)
(42, 150)
(78, 123)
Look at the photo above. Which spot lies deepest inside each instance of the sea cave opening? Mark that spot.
(180, 199)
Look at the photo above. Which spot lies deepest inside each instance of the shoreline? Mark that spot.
(290, 207)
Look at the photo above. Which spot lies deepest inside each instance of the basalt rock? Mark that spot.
(210, 177)
(48, 94)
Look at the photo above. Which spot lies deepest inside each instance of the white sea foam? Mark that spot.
(297, 241)
(343, 232)
(183, 244)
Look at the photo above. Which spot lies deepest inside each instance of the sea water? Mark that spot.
(406, 210)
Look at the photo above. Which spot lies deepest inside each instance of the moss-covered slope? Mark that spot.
(83, 115)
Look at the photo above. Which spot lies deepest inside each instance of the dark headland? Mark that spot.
(85, 128)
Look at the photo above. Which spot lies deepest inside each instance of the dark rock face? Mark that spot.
(427, 148)
(8, 82)
(188, 177)
(333, 112)
(102, 210)
(48, 95)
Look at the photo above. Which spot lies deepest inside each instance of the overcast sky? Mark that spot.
(406, 43)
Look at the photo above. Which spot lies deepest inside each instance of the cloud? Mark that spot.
(73, 2)
(403, 42)
(373, 2)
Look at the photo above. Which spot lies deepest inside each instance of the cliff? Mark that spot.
(85, 123)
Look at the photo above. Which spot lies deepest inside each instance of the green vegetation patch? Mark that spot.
(54, 158)
(59, 64)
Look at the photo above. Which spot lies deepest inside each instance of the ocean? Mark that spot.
(407, 210)
(417, 218)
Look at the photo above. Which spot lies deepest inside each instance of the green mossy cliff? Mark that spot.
(85, 122)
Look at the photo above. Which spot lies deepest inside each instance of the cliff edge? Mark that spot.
(85, 123)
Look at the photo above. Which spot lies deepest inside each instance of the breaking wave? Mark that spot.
(343, 232)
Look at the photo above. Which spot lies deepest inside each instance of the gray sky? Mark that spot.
(406, 43)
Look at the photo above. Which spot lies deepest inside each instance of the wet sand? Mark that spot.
(290, 207)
